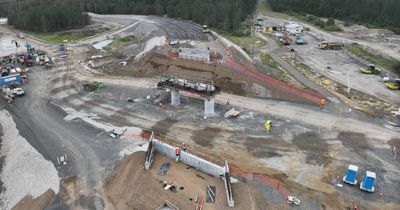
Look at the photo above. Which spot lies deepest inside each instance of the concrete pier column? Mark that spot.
(175, 98)
(209, 107)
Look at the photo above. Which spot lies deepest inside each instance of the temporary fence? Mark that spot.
(276, 184)
(314, 97)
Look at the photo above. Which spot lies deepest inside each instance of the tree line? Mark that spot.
(375, 13)
(223, 14)
(45, 15)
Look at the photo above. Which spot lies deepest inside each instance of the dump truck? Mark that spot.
(331, 46)
(371, 69)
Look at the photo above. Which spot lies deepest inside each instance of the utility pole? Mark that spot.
(253, 33)
(348, 83)
(66, 51)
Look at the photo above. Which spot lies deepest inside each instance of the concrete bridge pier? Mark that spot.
(175, 98)
(209, 104)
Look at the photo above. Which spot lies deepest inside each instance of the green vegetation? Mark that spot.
(118, 43)
(55, 15)
(263, 6)
(378, 60)
(373, 13)
(329, 25)
(278, 72)
(223, 14)
(59, 37)
(267, 60)
(45, 15)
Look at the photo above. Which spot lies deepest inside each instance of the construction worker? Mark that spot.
(322, 102)
(177, 151)
(184, 147)
(267, 126)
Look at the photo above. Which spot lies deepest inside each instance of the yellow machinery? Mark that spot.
(205, 29)
(394, 84)
(267, 126)
(371, 69)
(331, 46)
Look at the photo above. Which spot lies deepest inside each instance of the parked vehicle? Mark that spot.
(20, 35)
(18, 91)
(62, 160)
(117, 132)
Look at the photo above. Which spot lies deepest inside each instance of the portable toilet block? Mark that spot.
(351, 175)
(368, 182)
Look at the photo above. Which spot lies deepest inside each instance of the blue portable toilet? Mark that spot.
(368, 182)
(351, 175)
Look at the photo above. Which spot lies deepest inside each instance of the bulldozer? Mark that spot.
(371, 69)
(331, 46)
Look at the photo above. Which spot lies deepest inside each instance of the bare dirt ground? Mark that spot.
(306, 148)
(343, 69)
(38, 203)
(131, 187)
(380, 39)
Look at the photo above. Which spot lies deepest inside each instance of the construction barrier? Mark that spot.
(313, 97)
(149, 154)
(277, 185)
(228, 186)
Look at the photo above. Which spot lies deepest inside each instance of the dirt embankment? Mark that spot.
(39, 203)
(229, 80)
(131, 187)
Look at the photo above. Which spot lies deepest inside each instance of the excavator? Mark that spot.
(371, 69)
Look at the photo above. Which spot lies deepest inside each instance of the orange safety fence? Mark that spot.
(276, 184)
(315, 97)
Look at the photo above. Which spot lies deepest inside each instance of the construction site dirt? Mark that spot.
(131, 187)
(305, 153)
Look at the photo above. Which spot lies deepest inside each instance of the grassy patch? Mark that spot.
(118, 43)
(277, 71)
(390, 64)
(73, 34)
(59, 37)
(329, 25)
(267, 60)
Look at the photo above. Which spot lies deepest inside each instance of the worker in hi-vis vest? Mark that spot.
(322, 103)
(177, 153)
(267, 126)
